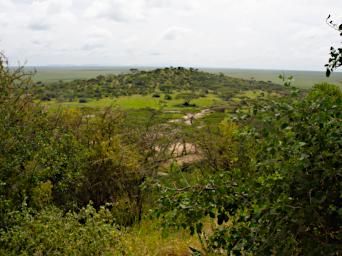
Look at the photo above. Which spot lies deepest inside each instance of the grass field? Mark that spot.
(54, 74)
(139, 102)
(303, 79)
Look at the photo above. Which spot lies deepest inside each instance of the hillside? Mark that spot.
(167, 81)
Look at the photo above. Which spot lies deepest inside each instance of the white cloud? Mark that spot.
(228, 33)
(174, 33)
(175, 5)
(98, 32)
(5, 4)
(117, 10)
(92, 46)
(39, 25)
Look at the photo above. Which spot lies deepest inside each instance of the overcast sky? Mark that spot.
(263, 34)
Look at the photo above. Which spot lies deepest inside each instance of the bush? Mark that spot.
(51, 232)
(283, 195)
(188, 104)
(82, 100)
(167, 97)
(45, 98)
(64, 159)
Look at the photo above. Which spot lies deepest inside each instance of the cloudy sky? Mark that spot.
(261, 34)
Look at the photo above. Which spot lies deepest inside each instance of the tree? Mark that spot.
(335, 60)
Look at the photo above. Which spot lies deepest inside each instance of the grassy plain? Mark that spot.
(65, 74)
(302, 79)
(139, 102)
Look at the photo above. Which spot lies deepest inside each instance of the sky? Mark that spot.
(257, 34)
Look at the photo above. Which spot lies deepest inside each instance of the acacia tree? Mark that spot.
(335, 60)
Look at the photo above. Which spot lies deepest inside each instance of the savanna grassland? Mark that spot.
(169, 161)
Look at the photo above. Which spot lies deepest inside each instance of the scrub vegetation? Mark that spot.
(170, 161)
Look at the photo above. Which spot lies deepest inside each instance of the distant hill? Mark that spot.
(164, 80)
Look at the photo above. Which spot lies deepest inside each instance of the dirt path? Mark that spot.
(189, 118)
(186, 153)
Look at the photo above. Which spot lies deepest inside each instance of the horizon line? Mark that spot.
(165, 66)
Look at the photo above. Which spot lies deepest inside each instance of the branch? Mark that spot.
(331, 24)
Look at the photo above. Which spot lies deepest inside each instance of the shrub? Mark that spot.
(167, 97)
(51, 232)
(45, 98)
(42, 194)
(283, 195)
(82, 100)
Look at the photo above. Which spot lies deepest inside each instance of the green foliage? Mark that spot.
(335, 60)
(267, 178)
(326, 92)
(167, 97)
(218, 143)
(66, 158)
(52, 232)
(286, 81)
(284, 198)
(42, 194)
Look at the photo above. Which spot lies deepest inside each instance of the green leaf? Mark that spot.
(328, 72)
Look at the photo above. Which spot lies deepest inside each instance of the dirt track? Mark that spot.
(191, 117)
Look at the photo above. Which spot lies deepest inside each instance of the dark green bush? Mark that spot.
(82, 100)
(167, 97)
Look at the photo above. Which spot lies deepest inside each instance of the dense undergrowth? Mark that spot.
(94, 182)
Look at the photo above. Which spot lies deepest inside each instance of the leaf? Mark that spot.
(328, 73)
(302, 144)
(284, 125)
